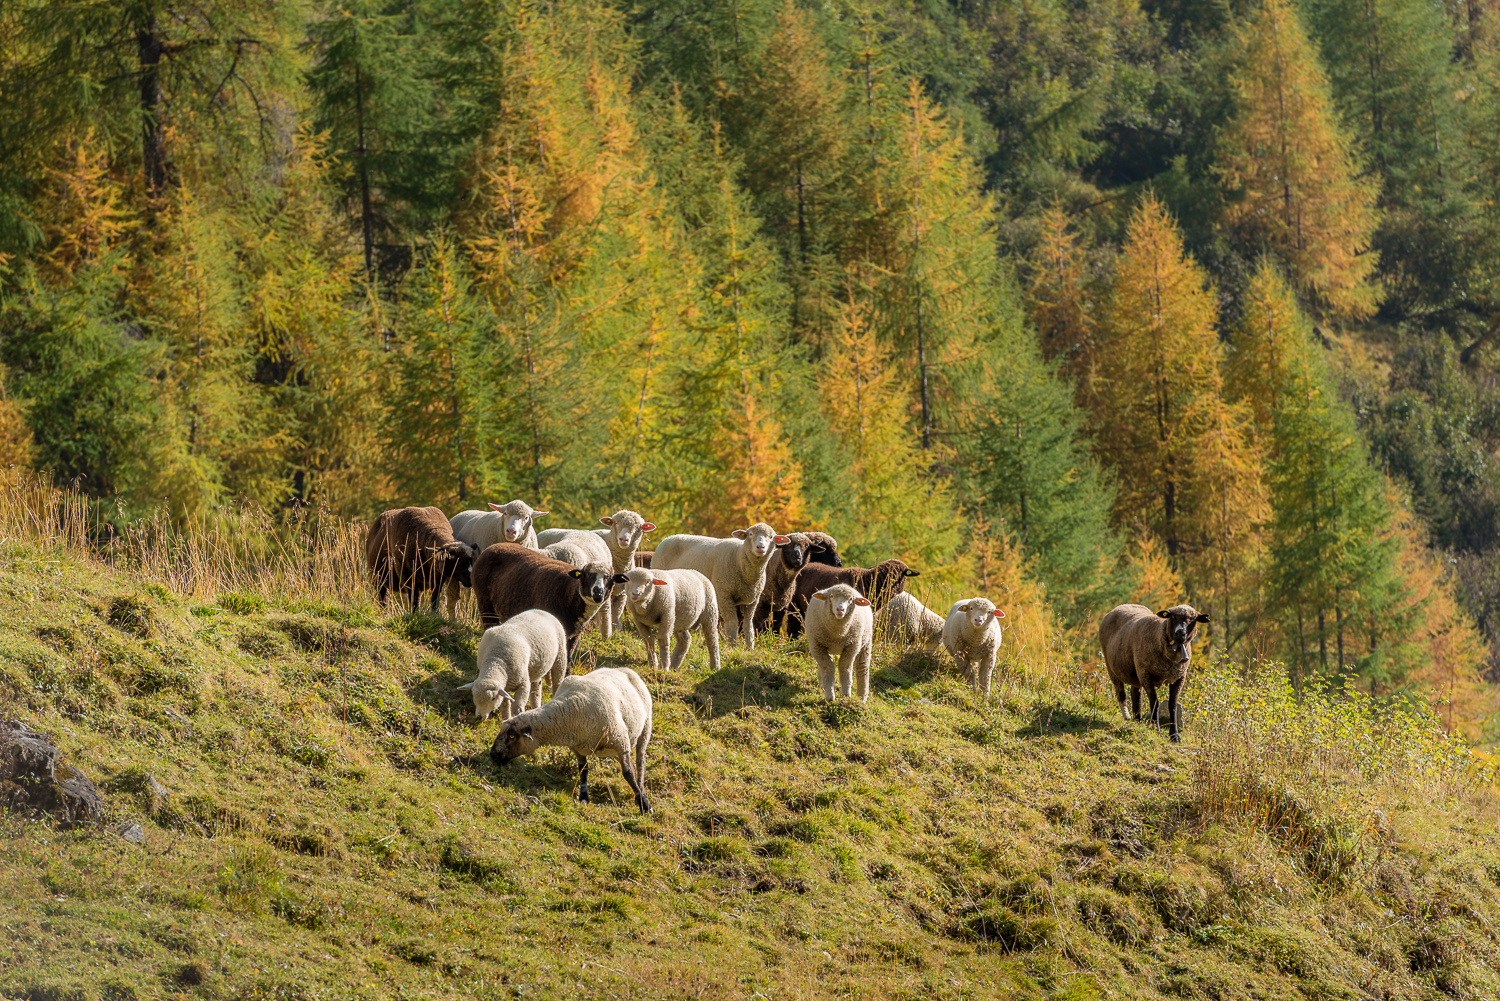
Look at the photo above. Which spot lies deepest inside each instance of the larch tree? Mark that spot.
(1297, 187)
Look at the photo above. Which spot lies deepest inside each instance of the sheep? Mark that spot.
(571, 554)
(841, 624)
(824, 549)
(509, 579)
(737, 568)
(1145, 649)
(672, 603)
(781, 571)
(620, 538)
(513, 660)
(511, 522)
(884, 579)
(412, 549)
(907, 621)
(972, 635)
(605, 712)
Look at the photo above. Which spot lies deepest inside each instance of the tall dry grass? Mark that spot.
(296, 556)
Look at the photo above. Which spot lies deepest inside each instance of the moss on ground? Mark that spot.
(321, 821)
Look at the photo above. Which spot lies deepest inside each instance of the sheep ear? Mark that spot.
(526, 730)
(782, 540)
(909, 572)
(496, 507)
(820, 596)
(660, 583)
(648, 527)
(1202, 616)
(1165, 613)
(964, 607)
(575, 573)
(540, 514)
(997, 613)
(861, 601)
(619, 578)
(606, 520)
(739, 533)
(465, 688)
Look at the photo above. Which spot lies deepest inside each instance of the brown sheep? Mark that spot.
(412, 549)
(643, 558)
(1146, 649)
(823, 548)
(781, 571)
(509, 579)
(878, 583)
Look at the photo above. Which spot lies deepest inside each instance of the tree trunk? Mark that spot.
(366, 215)
(150, 48)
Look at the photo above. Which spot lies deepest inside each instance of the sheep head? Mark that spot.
(794, 553)
(823, 548)
(626, 529)
(1180, 628)
(595, 581)
(980, 613)
(842, 599)
(515, 740)
(760, 538)
(488, 697)
(516, 518)
(640, 584)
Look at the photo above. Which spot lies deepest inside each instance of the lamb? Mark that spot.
(1146, 650)
(509, 579)
(620, 538)
(840, 624)
(509, 522)
(781, 571)
(907, 621)
(605, 712)
(513, 660)
(972, 635)
(412, 549)
(672, 603)
(737, 568)
(884, 579)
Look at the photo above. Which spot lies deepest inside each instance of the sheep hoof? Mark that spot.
(1176, 738)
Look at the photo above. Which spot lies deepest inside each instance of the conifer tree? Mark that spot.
(1299, 190)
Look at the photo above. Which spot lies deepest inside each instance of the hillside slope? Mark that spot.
(332, 828)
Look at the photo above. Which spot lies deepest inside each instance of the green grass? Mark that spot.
(333, 828)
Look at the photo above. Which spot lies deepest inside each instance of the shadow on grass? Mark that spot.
(907, 669)
(452, 642)
(1050, 717)
(731, 687)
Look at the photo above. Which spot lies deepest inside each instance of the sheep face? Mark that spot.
(762, 538)
(455, 562)
(890, 577)
(639, 585)
(1181, 629)
(627, 528)
(489, 697)
(980, 613)
(794, 553)
(515, 740)
(822, 548)
(841, 601)
(516, 518)
(594, 583)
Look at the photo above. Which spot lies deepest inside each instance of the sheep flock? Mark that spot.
(538, 591)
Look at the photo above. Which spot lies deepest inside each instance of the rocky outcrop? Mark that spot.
(34, 779)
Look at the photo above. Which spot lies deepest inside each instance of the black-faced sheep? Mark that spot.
(605, 712)
(509, 579)
(1145, 649)
(781, 571)
(412, 549)
(879, 582)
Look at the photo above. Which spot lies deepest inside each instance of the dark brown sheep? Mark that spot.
(412, 549)
(823, 548)
(1146, 649)
(781, 572)
(509, 579)
(877, 583)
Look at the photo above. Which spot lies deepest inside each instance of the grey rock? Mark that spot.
(133, 833)
(34, 778)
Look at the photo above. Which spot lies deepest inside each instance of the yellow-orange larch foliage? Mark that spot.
(759, 476)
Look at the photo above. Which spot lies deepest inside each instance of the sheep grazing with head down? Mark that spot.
(906, 621)
(605, 712)
(671, 603)
(972, 635)
(841, 625)
(615, 544)
(514, 658)
(736, 567)
(1145, 649)
(412, 549)
(879, 583)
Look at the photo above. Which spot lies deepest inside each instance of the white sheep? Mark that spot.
(840, 624)
(906, 620)
(573, 554)
(670, 603)
(736, 567)
(605, 712)
(514, 658)
(510, 522)
(622, 537)
(972, 635)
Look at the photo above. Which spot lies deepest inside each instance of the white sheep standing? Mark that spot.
(972, 635)
(621, 537)
(605, 712)
(514, 658)
(906, 620)
(509, 522)
(736, 567)
(840, 624)
(671, 603)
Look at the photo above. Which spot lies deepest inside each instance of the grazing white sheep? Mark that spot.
(840, 624)
(906, 620)
(736, 567)
(672, 603)
(972, 635)
(622, 537)
(514, 658)
(605, 712)
(511, 522)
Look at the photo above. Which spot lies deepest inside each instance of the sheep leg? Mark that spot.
(1120, 698)
(583, 777)
(710, 625)
(729, 620)
(986, 672)
(617, 605)
(1151, 694)
(846, 671)
(640, 761)
(636, 786)
(1135, 702)
(648, 637)
(862, 674)
(525, 693)
(680, 650)
(664, 630)
(559, 672)
(826, 669)
(747, 623)
(963, 667)
(1174, 711)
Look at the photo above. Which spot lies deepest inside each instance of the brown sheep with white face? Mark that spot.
(412, 549)
(1146, 649)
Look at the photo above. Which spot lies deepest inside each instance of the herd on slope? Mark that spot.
(537, 591)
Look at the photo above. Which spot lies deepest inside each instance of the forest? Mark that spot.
(1073, 301)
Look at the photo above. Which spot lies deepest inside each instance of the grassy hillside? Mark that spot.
(331, 826)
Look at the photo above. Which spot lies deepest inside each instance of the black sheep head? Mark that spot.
(890, 578)
(515, 740)
(822, 548)
(1182, 628)
(455, 561)
(595, 582)
(794, 553)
